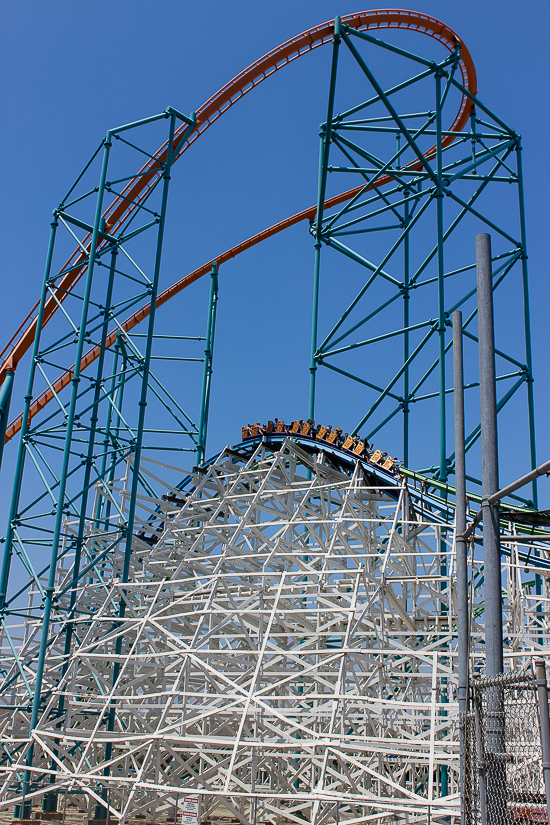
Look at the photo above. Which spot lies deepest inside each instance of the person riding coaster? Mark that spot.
(307, 429)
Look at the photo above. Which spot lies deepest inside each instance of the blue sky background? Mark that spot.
(71, 70)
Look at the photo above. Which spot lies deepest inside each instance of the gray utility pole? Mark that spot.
(496, 792)
(461, 546)
(489, 458)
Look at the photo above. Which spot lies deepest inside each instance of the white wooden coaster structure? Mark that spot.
(287, 652)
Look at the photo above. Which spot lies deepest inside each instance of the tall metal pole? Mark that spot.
(323, 166)
(489, 458)
(494, 665)
(440, 285)
(460, 542)
(208, 358)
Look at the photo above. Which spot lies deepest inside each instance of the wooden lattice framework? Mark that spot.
(287, 650)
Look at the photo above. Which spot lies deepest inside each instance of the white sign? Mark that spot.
(190, 810)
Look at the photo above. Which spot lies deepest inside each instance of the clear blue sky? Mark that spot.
(71, 70)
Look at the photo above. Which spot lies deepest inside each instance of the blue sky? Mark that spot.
(71, 70)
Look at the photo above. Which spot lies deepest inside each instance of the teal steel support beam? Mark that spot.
(359, 380)
(385, 100)
(406, 336)
(112, 429)
(208, 361)
(322, 186)
(383, 422)
(107, 437)
(21, 452)
(474, 435)
(394, 380)
(527, 324)
(440, 286)
(5, 398)
(147, 357)
(398, 88)
(444, 770)
(430, 322)
(454, 224)
(528, 357)
(390, 47)
(363, 321)
(372, 278)
(482, 218)
(479, 105)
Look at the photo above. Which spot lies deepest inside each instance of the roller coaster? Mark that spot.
(272, 631)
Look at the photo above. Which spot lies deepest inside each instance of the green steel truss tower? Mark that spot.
(405, 242)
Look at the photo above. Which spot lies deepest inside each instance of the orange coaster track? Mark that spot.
(137, 190)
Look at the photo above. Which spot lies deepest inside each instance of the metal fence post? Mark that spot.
(544, 723)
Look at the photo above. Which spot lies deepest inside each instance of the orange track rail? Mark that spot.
(138, 189)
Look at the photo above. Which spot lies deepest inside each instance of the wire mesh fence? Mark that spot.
(503, 765)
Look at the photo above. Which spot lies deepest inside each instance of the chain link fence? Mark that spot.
(503, 765)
